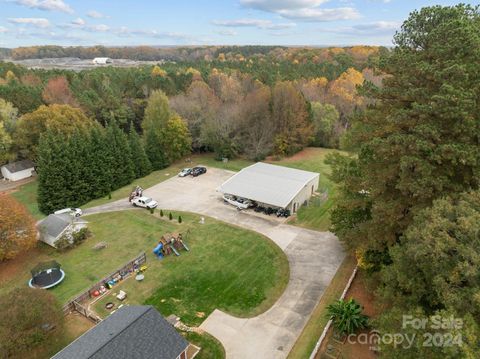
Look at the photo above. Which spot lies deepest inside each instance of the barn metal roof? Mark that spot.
(267, 183)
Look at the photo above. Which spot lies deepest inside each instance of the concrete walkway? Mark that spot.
(314, 257)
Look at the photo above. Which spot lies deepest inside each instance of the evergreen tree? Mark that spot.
(52, 161)
(141, 163)
(121, 162)
(154, 150)
(101, 163)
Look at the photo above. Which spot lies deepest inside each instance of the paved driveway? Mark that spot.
(314, 257)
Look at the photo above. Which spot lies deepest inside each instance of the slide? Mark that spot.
(174, 250)
(185, 246)
(158, 250)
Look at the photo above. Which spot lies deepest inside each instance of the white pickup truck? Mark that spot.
(145, 202)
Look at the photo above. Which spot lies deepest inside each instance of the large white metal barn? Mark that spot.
(272, 186)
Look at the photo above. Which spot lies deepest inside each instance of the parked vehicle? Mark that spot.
(185, 172)
(76, 212)
(240, 203)
(197, 171)
(283, 213)
(145, 202)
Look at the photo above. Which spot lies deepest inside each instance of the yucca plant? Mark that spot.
(347, 316)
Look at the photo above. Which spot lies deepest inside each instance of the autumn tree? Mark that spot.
(257, 126)
(166, 135)
(293, 128)
(62, 118)
(57, 91)
(343, 92)
(28, 317)
(17, 228)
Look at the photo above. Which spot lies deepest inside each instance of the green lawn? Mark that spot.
(27, 194)
(229, 268)
(315, 216)
(211, 348)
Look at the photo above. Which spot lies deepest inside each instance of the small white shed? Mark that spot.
(55, 226)
(17, 171)
(102, 60)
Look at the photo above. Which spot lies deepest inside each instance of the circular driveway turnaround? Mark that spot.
(313, 256)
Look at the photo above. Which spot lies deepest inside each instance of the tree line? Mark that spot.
(410, 204)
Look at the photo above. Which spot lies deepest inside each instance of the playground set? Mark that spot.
(170, 243)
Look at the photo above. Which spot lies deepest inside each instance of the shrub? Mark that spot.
(179, 219)
(161, 213)
(347, 316)
(151, 210)
(170, 217)
(80, 236)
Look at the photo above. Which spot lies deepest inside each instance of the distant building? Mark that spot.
(130, 332)
(102, 60)
(17, 171)
(55, 226)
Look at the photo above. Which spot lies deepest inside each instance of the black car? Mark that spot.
(197, 171)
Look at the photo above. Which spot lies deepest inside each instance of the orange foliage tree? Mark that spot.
(57, 91)
(17, 228)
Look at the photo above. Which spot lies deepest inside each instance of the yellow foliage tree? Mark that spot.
(158, 71)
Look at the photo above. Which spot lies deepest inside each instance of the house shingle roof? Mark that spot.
(132, 332)
(19, 166)
(55, 224)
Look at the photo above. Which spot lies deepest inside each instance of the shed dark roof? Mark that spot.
(55, 224)
(19, 166)
(131, 332)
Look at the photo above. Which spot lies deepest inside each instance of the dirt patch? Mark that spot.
(352, 349)
(299, 156)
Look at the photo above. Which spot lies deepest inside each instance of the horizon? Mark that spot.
(290, 23)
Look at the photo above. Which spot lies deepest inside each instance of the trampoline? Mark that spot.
(46, 275)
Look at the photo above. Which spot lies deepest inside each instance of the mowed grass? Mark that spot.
(314, 216)
(27, 195)
(229, 268)
(211, 348)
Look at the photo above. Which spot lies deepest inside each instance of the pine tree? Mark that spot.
(100, 164)
(154, 150)
(51, 164)
(142, 165)
(122, 164)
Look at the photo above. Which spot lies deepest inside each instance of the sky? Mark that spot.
(202, 22)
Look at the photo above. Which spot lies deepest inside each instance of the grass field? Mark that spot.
(27, 194)
(211, 347)
(308, 338)
(229, 268)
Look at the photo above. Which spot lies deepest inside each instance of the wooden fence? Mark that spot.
(123, 272)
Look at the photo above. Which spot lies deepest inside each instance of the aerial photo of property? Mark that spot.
(240, 179)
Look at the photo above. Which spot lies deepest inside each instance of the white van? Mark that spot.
(76, 212)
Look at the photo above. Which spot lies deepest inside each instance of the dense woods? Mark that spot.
(409, 203)
(234, 101)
